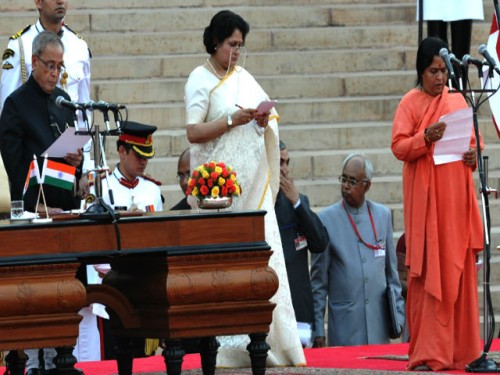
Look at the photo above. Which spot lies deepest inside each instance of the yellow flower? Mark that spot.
(215, 191)
(218, 170)
(195, 191)
(237, 192)
(233, 177)
(221, 181)
(205, 174)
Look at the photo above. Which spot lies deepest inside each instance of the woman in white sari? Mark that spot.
(248, 142)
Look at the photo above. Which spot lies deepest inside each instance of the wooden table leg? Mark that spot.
(124, 348)
(258, 349)
(208, 353)
(15, 362)
(174, 356)
(65, 361)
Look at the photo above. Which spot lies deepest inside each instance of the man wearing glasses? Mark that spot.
(30, 122)
(16, 66)
(358, 265)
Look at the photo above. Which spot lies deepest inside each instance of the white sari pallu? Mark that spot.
(254, 155)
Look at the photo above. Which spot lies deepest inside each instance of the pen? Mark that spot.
(239, 106)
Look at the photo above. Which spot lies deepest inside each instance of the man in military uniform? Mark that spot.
(131, 188)
(16, 67)
(127, 188)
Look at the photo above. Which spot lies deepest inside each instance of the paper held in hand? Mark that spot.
(456, 138)
(67, 143)
(265, 106)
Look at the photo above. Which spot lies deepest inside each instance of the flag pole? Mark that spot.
(41, 188)
(497, 12)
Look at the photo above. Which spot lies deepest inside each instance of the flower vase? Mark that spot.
(210, 203)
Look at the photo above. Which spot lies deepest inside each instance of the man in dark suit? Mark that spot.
(30, 122)
(300, 230)
(183, 174)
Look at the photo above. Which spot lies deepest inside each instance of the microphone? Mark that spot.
(61, 102)
(455, 61)
(443, 52)
(103, 106)
(468, 59)
(483, 50)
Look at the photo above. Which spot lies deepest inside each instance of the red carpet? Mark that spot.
(355, 357)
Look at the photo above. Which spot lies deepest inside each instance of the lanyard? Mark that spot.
(373, 247)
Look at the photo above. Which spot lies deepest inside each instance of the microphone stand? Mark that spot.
(420, 20)
(483, 364)
(99, 210)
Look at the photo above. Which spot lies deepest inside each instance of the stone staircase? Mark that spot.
(337, 67)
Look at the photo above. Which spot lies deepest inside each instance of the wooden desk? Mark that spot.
(173, 275)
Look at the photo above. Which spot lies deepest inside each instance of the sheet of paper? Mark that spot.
(456, 138)
(266, 106)
(67, 143)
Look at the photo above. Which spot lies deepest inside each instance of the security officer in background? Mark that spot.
(16, 66)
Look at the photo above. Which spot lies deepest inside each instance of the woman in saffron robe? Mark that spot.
(443, 225)
(223, 125)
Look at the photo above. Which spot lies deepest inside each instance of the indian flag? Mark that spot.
(58, 174)
(33, 177)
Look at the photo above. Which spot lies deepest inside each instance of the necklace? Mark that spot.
(215, 71)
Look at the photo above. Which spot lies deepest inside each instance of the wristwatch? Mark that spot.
(229, 122)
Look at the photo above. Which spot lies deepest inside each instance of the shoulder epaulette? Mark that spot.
(20, 32)
(153, 180)
(74, 32)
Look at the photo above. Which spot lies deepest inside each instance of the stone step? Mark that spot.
(495, 296)
(140, 43)
(162, 90)
(384, 189)
(196, 18)
(339, 135)
(292, 112)
(14, 5)
(258, 63)
(320, 164)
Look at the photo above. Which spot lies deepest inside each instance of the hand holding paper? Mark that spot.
(456, 140)
(265, 106)
(67, 143)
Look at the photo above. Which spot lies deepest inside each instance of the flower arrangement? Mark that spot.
(213, 179)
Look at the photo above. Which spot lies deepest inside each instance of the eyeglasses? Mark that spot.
(181, 176)
(351, 181)
(237, 47)
(51, 67)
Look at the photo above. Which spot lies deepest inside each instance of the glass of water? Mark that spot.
(16, 209)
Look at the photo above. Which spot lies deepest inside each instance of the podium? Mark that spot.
(173, 275)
